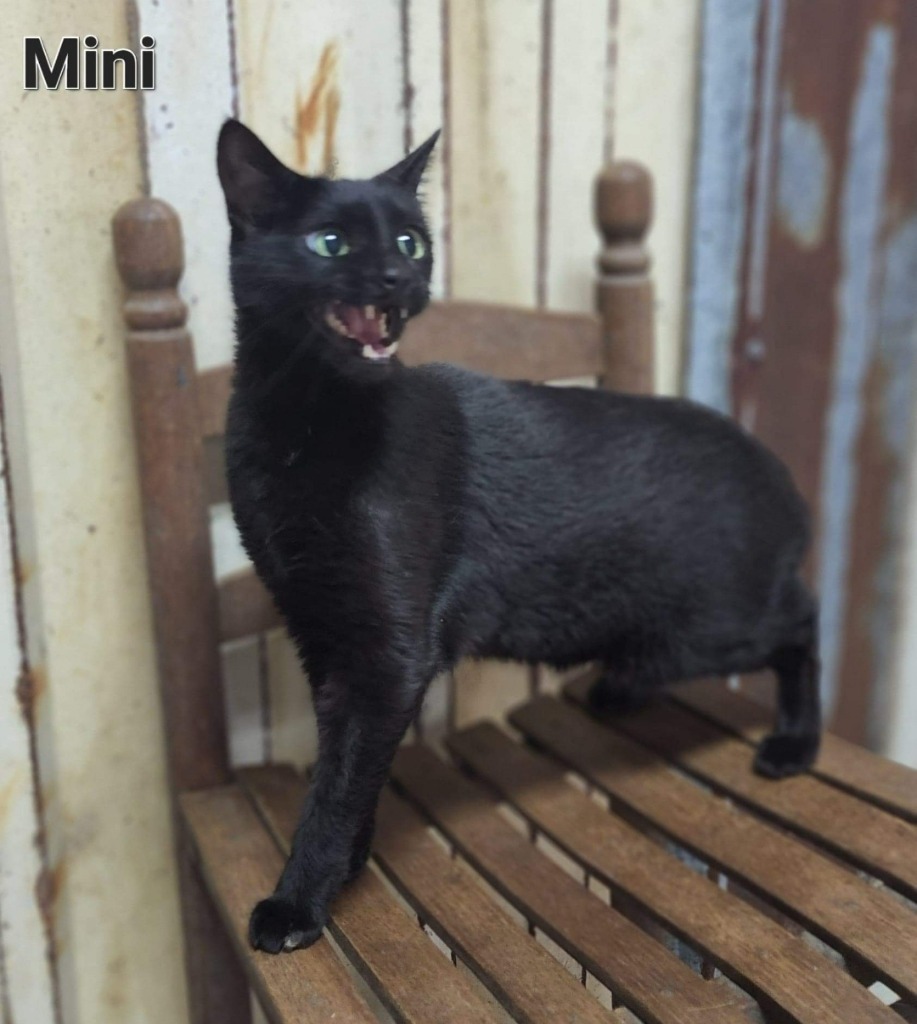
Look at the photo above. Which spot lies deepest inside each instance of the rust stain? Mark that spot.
(30, 688)
(316, 115)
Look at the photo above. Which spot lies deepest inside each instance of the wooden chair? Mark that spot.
(800, 893)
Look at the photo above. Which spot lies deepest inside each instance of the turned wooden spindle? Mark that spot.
(148, 249)
(624, 293)
(150, 259)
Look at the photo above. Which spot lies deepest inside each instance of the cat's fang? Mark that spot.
(369, 312)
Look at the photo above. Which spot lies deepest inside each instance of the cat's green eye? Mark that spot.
(410, 244)
(328, 242)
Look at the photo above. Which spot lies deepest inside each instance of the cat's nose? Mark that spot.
(391, 277)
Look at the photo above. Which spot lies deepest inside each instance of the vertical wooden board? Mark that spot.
(488, 689)
(245, 706)
(575, 42)
(27, 981)
(194, 94)
(424, 26)
(654, 95)
(294, 736)
(322, 83)
(494, 92)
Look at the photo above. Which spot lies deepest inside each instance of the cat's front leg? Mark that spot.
(360, 725)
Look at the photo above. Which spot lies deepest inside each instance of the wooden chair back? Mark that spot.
(179, 417)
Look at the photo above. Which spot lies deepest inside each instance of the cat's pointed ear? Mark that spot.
(254, 181)
(409, 171)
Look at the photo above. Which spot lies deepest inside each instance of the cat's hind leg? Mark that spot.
(618, 692)
(793, 745)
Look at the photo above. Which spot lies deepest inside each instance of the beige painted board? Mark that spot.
(654, 94)
(27, 976)
(74, 469)
(577, 74)
(495, 70)
(182, 117)
(488, 689)
(425, 112)
(322, 82)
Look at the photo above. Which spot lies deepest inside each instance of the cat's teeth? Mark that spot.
(370, 353)
(369, 312)
(335, 322)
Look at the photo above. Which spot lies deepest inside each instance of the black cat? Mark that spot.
(406, 518)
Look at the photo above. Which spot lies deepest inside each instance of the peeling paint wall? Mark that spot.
(67, 160)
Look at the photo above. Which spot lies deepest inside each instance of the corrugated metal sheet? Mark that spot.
(799, 258)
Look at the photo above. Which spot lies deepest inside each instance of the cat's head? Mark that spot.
(346, 262)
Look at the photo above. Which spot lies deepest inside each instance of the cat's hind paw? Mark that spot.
(780, 756)
(279, 926)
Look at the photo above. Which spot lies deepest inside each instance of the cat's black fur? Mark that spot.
(406, 518)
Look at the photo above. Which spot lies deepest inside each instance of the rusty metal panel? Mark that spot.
(818, 253)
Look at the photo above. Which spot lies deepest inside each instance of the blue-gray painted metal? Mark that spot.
(804, 176)
(860, 226)
(722, 168)
(896, 352)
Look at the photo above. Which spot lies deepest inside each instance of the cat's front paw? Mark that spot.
(277, 925)
(780, 756)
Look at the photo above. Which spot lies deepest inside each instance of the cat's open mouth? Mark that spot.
(373, 327)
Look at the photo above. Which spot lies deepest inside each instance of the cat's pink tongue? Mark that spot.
(365, 323)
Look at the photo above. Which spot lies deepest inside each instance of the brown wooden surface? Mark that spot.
(844, 910)
(882, 782)
(241, 863)
(774, 965)
(519, 972)
(402, 966)
(246, 607)
(864, 835)
(624, 294)
(647, 978)
(148, 250)
(504, 341)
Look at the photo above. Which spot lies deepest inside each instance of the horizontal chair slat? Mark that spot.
(866, 836)
(882, 782)
(240, 861)
(778, 968)
(834, 903)
(409, 976)
(501, 340)
(246, 608)
(649, 979)
(504, 341)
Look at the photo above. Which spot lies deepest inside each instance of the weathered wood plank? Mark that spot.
(774, 965)
(653, 983)
(240, 863)
(193, 60)
(882, 782)
(834, 903)
(404, 969)
(854, 830)
(495, 67)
